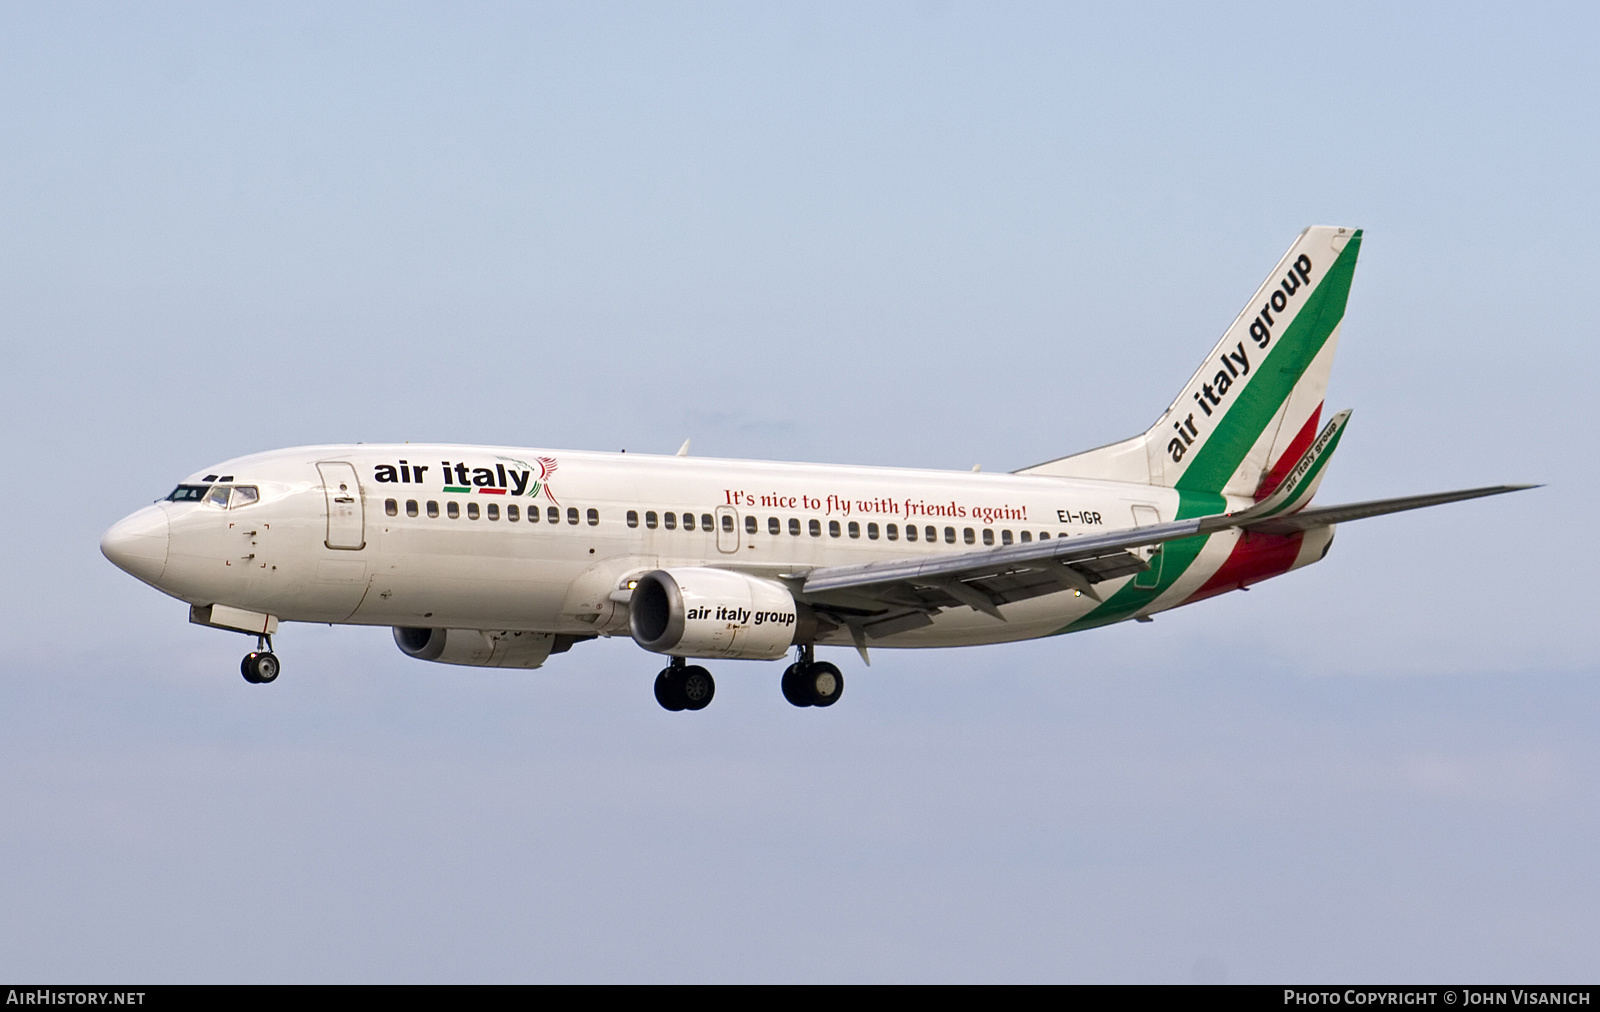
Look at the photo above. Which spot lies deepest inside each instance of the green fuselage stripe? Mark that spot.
(1176, 558)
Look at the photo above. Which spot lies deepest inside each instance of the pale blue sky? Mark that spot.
(905, 233)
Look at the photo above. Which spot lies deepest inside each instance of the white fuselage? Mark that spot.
(426, 538)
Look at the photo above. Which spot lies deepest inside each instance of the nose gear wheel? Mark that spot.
(259, 667)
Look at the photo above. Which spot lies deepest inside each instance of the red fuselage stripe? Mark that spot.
(1254, 558)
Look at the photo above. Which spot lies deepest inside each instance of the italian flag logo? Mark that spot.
(509, 476)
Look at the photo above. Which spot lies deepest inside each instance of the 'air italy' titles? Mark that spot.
(458, 477)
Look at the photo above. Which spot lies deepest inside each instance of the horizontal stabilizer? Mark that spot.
(1297, 487)
(1322, 516)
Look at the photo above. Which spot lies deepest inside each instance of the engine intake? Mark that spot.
(695, 612)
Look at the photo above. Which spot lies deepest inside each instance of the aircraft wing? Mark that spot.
(1324, 515)
(880, 598)
(990, 577)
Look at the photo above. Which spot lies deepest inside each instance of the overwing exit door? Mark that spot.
(727, 529)
(346, 519)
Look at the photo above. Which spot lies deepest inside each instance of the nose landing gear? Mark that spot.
(260, 665)
(809, 682)
(682, 686)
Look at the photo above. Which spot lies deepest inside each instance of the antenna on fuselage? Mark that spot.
(683, 451)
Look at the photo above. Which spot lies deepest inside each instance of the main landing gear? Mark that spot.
(260, 665)
(682, 686)
(810, 682)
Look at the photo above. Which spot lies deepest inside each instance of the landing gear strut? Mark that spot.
(810, 682)
(260, 665)
(682, 686)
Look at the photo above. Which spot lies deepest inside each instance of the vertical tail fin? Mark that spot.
(1250, 412)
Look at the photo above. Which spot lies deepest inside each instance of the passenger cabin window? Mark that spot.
(872, 532)
(650, 519)
(968, 536)
(572, 515)
(188, 493)
(411, 507)
(854, 529)
(727, 523)
(553, 514)
(988, 536)
(433, 508)
(750, 525)
(950, 535)
(816, 528)
(833, 528)
(493, 510)
(911, 532)
(472, 511)
(513, 513)
(892, 531)
(671, 521)
(633, 518)
(794, 526)
(775, 526)
(1025, 537)
(1043, 536)
(705, 522)
(1005, 537)
(453, 508)
(593, 516)
(688, 521)
(391, 507)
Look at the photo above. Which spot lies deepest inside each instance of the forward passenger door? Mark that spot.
(346, 517)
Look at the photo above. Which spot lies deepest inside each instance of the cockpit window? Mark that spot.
(217, 495)
(188, 493)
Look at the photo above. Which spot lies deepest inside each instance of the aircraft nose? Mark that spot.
(137, 543)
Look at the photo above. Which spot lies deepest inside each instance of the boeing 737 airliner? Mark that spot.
(502, 556)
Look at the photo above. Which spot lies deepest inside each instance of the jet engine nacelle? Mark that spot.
(714, 613)
(477, 648)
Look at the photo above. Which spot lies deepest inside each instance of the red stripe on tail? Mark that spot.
(1291, 456)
